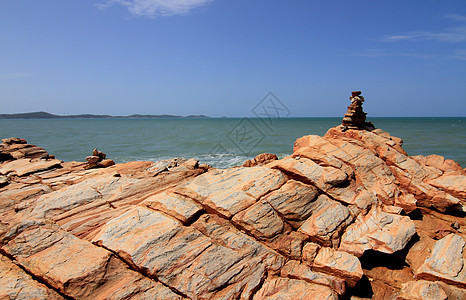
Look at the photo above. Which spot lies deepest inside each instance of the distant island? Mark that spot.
(46, 115)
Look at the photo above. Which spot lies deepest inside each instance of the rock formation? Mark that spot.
(355, 117)
(260, 160)
(97, 160)
(349, 214)
(16, 148)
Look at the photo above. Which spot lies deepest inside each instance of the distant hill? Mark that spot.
(46, 115)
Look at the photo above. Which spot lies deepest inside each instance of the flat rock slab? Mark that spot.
(452, 184)
(293, 269)
(327, 221)
(340, 264)
(93, 191)
(307, 170)
(285, 288)
(230, 191)
(446, 262)
(23, 167)
(77, 268)
(17, 284)
(186, 258)
(379, 231)
(181, 207)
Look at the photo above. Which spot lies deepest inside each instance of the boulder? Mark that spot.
(92, 159)
(340, 264)
(446, 262)
(327, 221)
(379, 231)
(260, 220)
(105, 163)
(260, 160)
(293, 201)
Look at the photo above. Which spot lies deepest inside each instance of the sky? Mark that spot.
(222, 57)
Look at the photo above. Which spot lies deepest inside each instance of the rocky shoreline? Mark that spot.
(347, 216)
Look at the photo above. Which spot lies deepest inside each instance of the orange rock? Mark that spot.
(446, 262)
(17, 284)
(182, 208)
(260, 159)
(23, 167)
(378, 231)
(293, 201)
(327, 221)
(340, 264)
(286, 288)
(230, 191)
(77, 268)
(455, 185)
(293, 269)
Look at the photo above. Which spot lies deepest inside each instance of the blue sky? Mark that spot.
(220, 57)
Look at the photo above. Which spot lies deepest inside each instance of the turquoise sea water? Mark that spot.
(221, 142)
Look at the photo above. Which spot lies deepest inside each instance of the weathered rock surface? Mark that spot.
(178, 206)
(17, 284)
(378, 231)
(24, 166)
(340, 264)
(77, 268)
(327, 221)
(260, 160)
(346, 215)
(285, 288)
(446, 262)
(16, 148)
(230, 191)
(293, 269)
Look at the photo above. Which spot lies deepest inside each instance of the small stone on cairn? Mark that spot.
(97, 160)
(355, 117)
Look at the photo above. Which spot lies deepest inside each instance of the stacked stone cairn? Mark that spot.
(97, 160)
(355, 117)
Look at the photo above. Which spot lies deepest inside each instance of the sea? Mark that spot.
(219, 142)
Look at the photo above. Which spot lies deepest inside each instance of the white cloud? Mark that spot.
(14, 75)
(154, 8)
(381, 53)
(459, 54)
(454, 34)
(456, 17)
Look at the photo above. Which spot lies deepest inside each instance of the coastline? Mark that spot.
(158, 139)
